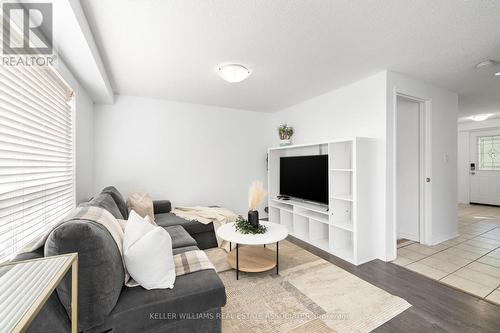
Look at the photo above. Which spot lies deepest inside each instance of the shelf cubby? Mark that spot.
(274, 214)
(341, 214)
(341, 243)
(286, 219)
(301, 227)
(341, 184)
(318, 234)
(340, 155)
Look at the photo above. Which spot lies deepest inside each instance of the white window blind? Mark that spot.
(36, 154)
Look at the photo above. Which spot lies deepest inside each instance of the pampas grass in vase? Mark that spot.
(256, 194)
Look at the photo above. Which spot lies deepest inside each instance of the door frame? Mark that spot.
(466, 134)
(424, 165)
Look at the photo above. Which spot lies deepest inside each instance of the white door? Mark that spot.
(485, 155)
(408, 169)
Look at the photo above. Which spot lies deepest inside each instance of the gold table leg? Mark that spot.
(74, 296)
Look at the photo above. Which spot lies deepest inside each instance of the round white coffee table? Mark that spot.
(250, 258)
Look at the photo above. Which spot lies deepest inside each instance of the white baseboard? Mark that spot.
(407, 236)
(444, 238)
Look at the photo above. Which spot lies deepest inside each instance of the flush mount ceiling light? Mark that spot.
(480, 117)
(233, 72)
(486, 63)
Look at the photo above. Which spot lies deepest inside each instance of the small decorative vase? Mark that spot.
(285, 142)
(253, 218)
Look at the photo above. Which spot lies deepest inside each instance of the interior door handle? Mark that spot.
(427, 180)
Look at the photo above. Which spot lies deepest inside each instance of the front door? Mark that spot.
(485, 167)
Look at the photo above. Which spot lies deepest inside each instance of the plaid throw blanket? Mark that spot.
(191, 261)
(104, 218)
(216, 215)
(96, 214)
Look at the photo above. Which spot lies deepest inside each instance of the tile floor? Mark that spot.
(469, 262)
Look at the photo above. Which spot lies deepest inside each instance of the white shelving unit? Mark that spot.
(343, 226)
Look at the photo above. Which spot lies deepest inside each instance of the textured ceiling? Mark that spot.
(296, 49)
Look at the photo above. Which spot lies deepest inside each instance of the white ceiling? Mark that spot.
(296, 49)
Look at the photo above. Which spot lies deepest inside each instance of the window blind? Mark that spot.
(36, 154)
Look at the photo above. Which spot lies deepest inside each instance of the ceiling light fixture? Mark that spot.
(480, 117)
(497, 74)
(233, 72)
(486, 63)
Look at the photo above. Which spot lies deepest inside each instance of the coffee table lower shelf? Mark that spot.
(253, 259)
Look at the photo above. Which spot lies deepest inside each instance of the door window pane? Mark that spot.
(489, 153)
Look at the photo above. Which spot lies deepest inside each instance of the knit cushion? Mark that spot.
(142, 204)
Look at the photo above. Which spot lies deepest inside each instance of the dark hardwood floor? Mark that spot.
(435, 306)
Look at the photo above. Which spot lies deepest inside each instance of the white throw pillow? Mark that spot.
(147, 251)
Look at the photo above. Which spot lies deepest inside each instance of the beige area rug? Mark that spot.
(309, 295)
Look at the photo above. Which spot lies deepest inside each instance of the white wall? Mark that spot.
(442, 207)
(477, 125)
(191, 154)
(357, 109)
(84, 141)
(84, 136)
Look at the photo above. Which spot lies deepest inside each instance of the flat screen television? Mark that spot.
(305, 177)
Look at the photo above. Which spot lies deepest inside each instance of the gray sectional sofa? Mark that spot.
(104, 304)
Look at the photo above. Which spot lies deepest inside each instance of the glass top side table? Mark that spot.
(26, 285)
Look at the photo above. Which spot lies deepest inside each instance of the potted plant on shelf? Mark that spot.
(285, 132)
